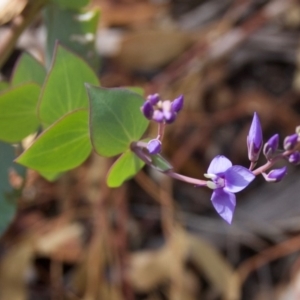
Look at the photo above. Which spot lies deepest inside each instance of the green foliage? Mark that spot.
(73, 4)
(50, 176)
(18, 117)
(73, 28)
(160, 163)
(28, 69)
(3, 85)
(115, 119)
(61, 147)
(64, 91)
(7, 195)
(124, 168)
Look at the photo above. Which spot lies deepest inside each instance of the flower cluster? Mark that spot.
(223, 178)
(162, 111)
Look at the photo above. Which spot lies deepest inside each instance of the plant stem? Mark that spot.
(18, 25)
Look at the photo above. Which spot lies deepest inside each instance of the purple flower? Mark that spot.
(154, 146)
(153, 99)
(226, 180)
(290, 141)
(147, 110)
(254, 139)
(271, 146)
(294, 158)
(161, 111)
(275, 175)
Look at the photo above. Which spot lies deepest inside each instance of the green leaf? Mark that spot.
(115, 119)
(124, 168)
(64, 91)
(73, 4)
(3, 85)
(28, 69)
(61, 147)
(18, 117)
(8, 203)
(136, 89)
(74, 29)
(50, 176)
(160, 163)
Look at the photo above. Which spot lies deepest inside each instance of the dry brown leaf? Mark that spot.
(62, 244)
(13, 269)
(120, 14)
(149, 269)
(149, 50)
(214, 267)
(10, 9)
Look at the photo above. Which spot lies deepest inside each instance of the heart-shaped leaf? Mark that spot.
(115, 119)
(64, 90)
(18, 116)
(74, 29)
(50, 176)
(125, 167)
(62, 146)
(28, 69)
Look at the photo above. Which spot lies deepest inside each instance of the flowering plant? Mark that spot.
(75, 116)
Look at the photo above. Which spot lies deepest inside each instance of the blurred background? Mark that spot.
(156, 238)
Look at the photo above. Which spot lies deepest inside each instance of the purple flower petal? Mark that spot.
(290, 141)
(224, 203)
(219, 165)
(158, 116)
(154, 146)
(177, 104)
(153, 99)
(271, 145)
(294, 158)
(169, 116)
(237, 178)
(254, 139)
(147, 110)
(275, 175)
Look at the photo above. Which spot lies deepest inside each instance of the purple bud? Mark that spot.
(177, 104)
(158, 116)
(147, 110)
(275, 175)
(294, 158)
(153, 99)
(271, 146)
(290, 141)
(254, 139)
(170, 116)
(154, 146)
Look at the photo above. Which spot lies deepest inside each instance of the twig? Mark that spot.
(18, 25)
(285, 248)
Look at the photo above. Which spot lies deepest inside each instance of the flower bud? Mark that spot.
(294, 158)
(275, 175)
(154, 146)
(153, 99)
(158, 116)
(147, 110)
(271, 146)
(290, 141)
(177, 104)
(254, 139)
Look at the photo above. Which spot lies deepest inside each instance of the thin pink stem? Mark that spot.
(271, 162)
(161, 131)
